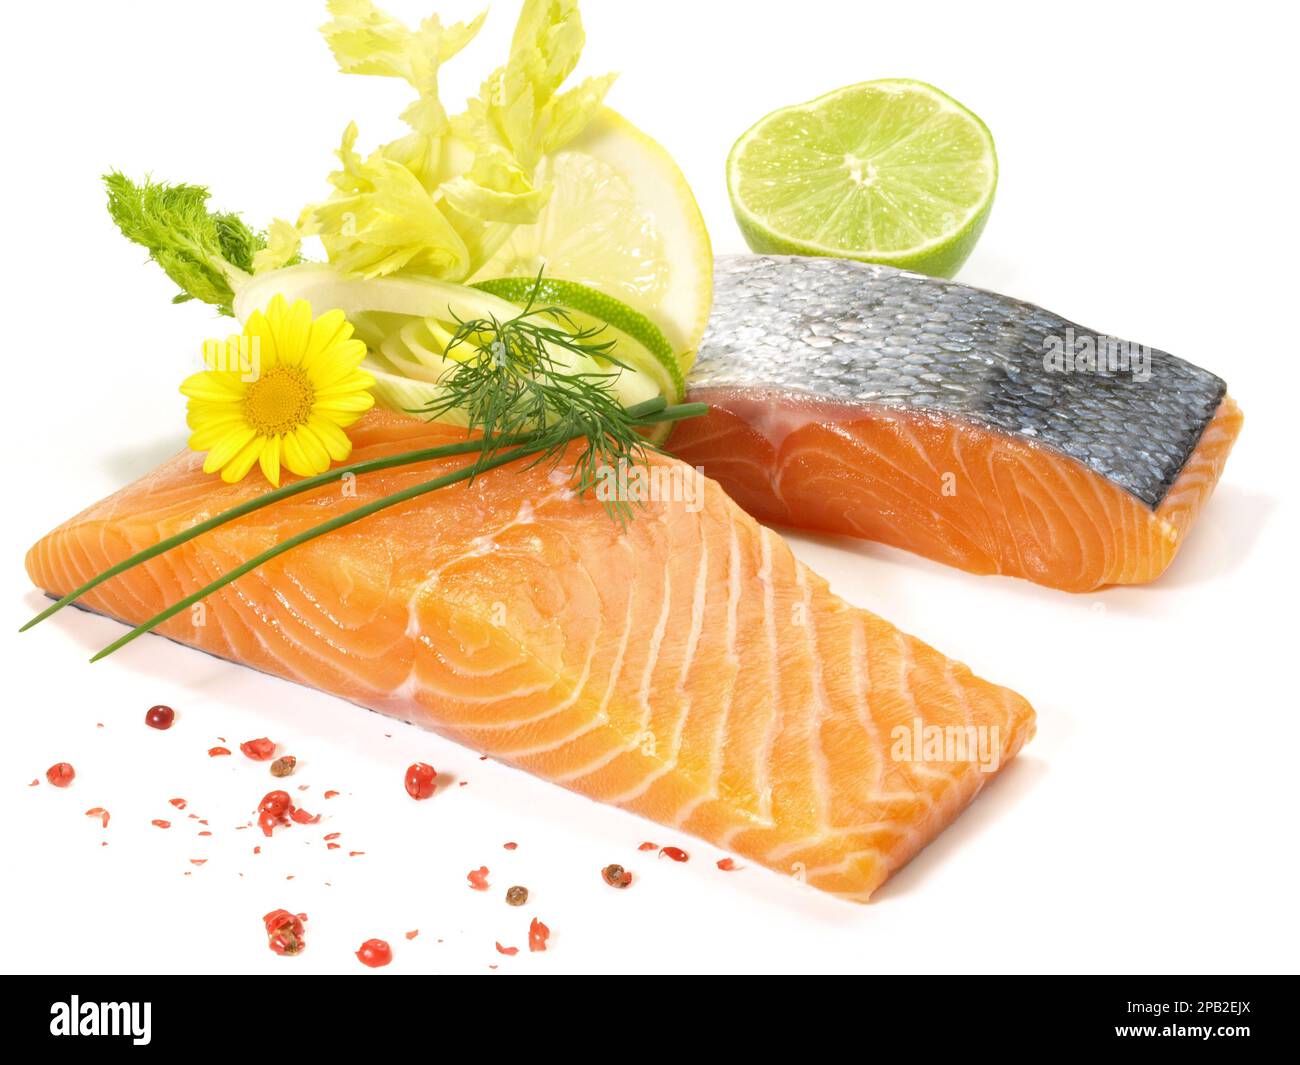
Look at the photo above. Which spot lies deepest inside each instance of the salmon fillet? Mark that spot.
(689, 668)
(950, 490)
(971, 428)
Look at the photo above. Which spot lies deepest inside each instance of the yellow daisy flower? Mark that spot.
(281, 395)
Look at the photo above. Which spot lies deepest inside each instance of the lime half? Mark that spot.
(890, 171)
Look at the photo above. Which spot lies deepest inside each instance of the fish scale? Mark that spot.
(855, 333)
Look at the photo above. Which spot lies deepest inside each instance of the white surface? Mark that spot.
(1147, 178)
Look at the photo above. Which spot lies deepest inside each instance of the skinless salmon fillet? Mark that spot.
(688, 668)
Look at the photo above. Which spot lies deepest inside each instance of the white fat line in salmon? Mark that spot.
(920, 742)
(671, 483)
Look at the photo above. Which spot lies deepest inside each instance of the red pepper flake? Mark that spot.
(159, 717)
(511, 846)
(375, 953)
(538, 934)
(201, 820)
(34, 784)
(355, 854)
(205, 833)
(302, 817)
(178, 803)
(413, 933)
(101, 813)
(421, 780)
(160, 824)
(675, 853)
(216, 752)
(198, 861)
(727, 865)
(60, 774)
(333, 846)
(648, 847)
(478, 878)
(330, 794)
(509, 952)
(332, 835)
(259, 750)
(275, 802)
(284, 931)
(257, 850)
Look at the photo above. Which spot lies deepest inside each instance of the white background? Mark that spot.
(1147, 188)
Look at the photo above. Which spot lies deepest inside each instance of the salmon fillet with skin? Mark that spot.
(968, 427)
(689, 669)
(950, 490)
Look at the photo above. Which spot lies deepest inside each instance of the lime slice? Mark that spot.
(638, 342)
(890, 171)
(621, 220)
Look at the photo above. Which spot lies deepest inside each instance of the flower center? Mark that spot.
(279, 401)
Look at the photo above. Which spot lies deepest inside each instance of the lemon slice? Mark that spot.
(623, 221)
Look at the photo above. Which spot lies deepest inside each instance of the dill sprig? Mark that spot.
(511, 379)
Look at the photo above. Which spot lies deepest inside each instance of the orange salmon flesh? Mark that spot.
(689, 668)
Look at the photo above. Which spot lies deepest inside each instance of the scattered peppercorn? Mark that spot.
(616, 876)
(284, 931)
(159, 717)
(516, 896)
(283, 767)
(420, 780)
(375, 953)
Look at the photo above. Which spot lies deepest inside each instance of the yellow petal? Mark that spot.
(330, 329)
(292, 332)
(270, 460)
(330, 367)
(304, 454)
(237, 468)
(355, 402)
(203, 413)
(213, 386)
(204, 438)
(262, 336)
(226, 448)
(335, 439)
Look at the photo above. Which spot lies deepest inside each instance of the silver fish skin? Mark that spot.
(855, 334)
